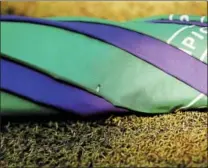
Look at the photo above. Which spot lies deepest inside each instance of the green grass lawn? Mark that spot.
(172, 140)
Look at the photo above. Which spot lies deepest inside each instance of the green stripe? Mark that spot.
(11, 104)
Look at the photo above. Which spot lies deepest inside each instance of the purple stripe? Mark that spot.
(197, 23)
(166, 57)
(42, 89)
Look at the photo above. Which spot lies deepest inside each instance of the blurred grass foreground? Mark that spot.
(173, 140)
(113, 10)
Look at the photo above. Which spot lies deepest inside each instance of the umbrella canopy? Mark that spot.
(87, 66)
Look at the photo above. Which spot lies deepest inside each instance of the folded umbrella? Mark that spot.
(96, 66)
(175, 19)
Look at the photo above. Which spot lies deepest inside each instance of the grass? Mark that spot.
(172, 140)
(112, 10)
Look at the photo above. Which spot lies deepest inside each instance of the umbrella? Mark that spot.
(88, 66)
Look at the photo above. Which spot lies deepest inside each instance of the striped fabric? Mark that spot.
(88, 66)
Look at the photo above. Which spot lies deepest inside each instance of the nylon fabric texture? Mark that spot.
(147, 70)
